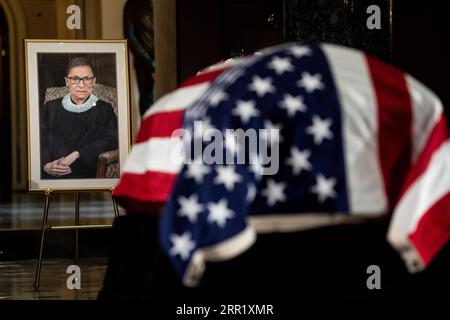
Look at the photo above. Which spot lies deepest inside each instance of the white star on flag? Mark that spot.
(190, 207)
(280, 65)
(299, 160)
(320, 129)
(300, 51)
(219, 212)
(311, 82)
(182, 245)
(324, 188)
(251, 193)
(206, 131)
(272, 133)
(245, 110)
(217, 97)
(231, 142)
(197, 170)
(274, 192)
(227, 176)
(202, 129)
(261, 86)
(292, 104)
(256, 167)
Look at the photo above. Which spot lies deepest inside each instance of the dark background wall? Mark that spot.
(211, 30)
(417, 41)
(341, 22)
(421, 44)
(5, 112)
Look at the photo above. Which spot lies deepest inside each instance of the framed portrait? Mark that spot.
(78, 113)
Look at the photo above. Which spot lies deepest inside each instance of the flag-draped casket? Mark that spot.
(353, 138)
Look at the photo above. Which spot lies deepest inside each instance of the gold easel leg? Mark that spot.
(41, 249)
(77, 223)
(116, 208)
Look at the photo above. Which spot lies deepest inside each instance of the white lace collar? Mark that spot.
(72, 107)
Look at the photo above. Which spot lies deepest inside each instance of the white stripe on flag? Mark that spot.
(357, 98)
(179, 99)
(432, 185)
(155, 154)
(427, 108)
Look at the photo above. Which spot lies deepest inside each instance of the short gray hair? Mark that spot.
(78, 62)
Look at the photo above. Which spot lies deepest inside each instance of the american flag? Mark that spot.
(358, 138)
(150, 172)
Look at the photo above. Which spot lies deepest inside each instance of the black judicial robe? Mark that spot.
(90, 133)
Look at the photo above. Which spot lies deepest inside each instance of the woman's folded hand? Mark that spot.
(56, 169)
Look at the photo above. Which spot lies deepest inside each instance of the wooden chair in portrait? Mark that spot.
(108, 162)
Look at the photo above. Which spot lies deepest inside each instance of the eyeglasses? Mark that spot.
(76, 80)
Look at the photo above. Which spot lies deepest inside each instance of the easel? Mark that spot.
(76, 227)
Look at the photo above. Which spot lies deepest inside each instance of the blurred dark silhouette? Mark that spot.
(138, 29)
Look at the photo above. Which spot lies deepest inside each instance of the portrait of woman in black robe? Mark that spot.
(77, 128)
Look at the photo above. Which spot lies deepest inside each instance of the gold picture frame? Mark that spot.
(45, 65)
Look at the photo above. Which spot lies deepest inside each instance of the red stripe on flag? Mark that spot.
(160, 125)
(204, 77)
(438, 136)
(432, 231)
(394, 126)
(145, 189)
